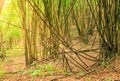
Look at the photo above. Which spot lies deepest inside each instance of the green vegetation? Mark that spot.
(109, 79)
(81, 73)
(43, 70)
(8, 21)
(2, 73)
(88, 79)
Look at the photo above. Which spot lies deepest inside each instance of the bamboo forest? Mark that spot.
(59, 40)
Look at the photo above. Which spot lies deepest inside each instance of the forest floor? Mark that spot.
(13, 69)
(12, 72)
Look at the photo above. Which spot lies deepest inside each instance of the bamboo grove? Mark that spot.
(69, 31)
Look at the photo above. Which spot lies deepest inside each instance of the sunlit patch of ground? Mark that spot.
(14, 64)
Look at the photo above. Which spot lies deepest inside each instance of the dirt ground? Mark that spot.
(17, 63)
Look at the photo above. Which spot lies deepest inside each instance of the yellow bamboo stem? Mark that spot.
(1, 5)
